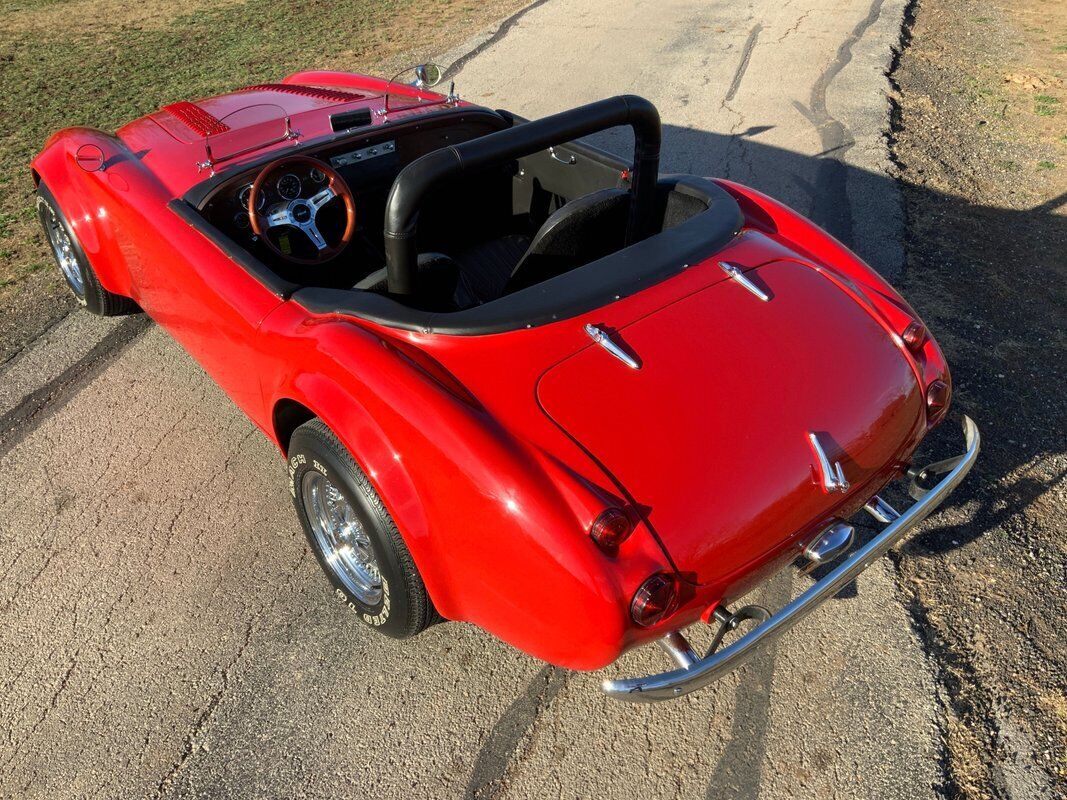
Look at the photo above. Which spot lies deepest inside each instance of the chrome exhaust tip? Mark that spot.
(831, 542)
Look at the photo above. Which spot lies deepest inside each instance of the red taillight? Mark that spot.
(914, 336)
(938, 394)
(655, 600)
(611, 529)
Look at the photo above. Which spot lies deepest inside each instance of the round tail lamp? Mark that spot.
(914, 336)
(656, 600)
(611, 529)
(938, 394)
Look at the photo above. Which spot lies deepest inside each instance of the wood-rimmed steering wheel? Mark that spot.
(301, 212)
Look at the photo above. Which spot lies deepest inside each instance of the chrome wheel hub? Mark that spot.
(63, 249)
(341, 536)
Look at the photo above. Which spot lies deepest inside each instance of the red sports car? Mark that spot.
(517, 381)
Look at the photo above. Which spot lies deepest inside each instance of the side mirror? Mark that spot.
(427, 75)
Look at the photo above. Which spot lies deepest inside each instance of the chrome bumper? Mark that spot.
(695, 672)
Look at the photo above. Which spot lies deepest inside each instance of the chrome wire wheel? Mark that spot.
(63, 249)
(342, 538)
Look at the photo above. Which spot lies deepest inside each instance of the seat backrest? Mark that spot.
(583, 230)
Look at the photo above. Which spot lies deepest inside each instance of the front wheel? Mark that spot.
(76, 269)
(352, 535)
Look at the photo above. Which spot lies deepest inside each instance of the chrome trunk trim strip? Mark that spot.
(735, 272)
(604, 340)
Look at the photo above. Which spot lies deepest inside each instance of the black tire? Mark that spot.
(81, 278)
(404, 608)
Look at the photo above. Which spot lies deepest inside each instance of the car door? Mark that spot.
(193, 287)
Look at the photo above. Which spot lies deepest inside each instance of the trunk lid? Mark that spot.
(709, 437)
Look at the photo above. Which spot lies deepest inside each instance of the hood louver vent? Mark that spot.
(318, 92)
(196, 119)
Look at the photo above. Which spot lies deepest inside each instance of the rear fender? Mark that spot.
(779, 221)
(776, 219)
(499, 541)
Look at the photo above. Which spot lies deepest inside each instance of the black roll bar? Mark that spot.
(421, 175)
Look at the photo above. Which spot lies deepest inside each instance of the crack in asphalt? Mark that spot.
(457, 66)
(202, 722)
(794, 27)
(831, 182)
(46, 713)
(746, 56)
(23, 419)
(737, 141)
(495, 758)
(191, 740)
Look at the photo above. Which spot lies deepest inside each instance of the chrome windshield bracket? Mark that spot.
(210, 162)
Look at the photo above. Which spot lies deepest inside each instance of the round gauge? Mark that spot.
(318, 175)
(241, 221)
(244, 195)
(289, 186)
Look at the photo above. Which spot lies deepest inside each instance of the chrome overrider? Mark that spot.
(695, 672)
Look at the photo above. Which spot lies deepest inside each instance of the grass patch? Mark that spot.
(1046, 165)
(1045, 105)
(54, 75)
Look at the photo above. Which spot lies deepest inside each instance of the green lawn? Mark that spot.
(103, 62)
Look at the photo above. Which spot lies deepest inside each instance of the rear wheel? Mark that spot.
(352, 535)
(74, 265)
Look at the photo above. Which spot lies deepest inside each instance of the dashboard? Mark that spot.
(368, 163)
(230, 209)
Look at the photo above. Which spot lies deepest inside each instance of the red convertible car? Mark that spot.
(517, 381)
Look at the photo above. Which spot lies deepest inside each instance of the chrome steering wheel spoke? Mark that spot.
(279, 216)
(311, 230)
(321, 198)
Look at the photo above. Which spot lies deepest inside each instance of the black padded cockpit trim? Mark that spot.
(591, 286)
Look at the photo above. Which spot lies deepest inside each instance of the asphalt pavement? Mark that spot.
(165, 632)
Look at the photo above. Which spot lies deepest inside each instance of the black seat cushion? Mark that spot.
(585, 229)
(485, 267)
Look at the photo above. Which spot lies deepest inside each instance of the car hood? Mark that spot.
(709, 436)
(242, 125)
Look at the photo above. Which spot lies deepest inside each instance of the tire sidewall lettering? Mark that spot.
(295, 462)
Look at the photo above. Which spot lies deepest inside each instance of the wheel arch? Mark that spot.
(313, 396)
(286, 416)
(79, 197)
